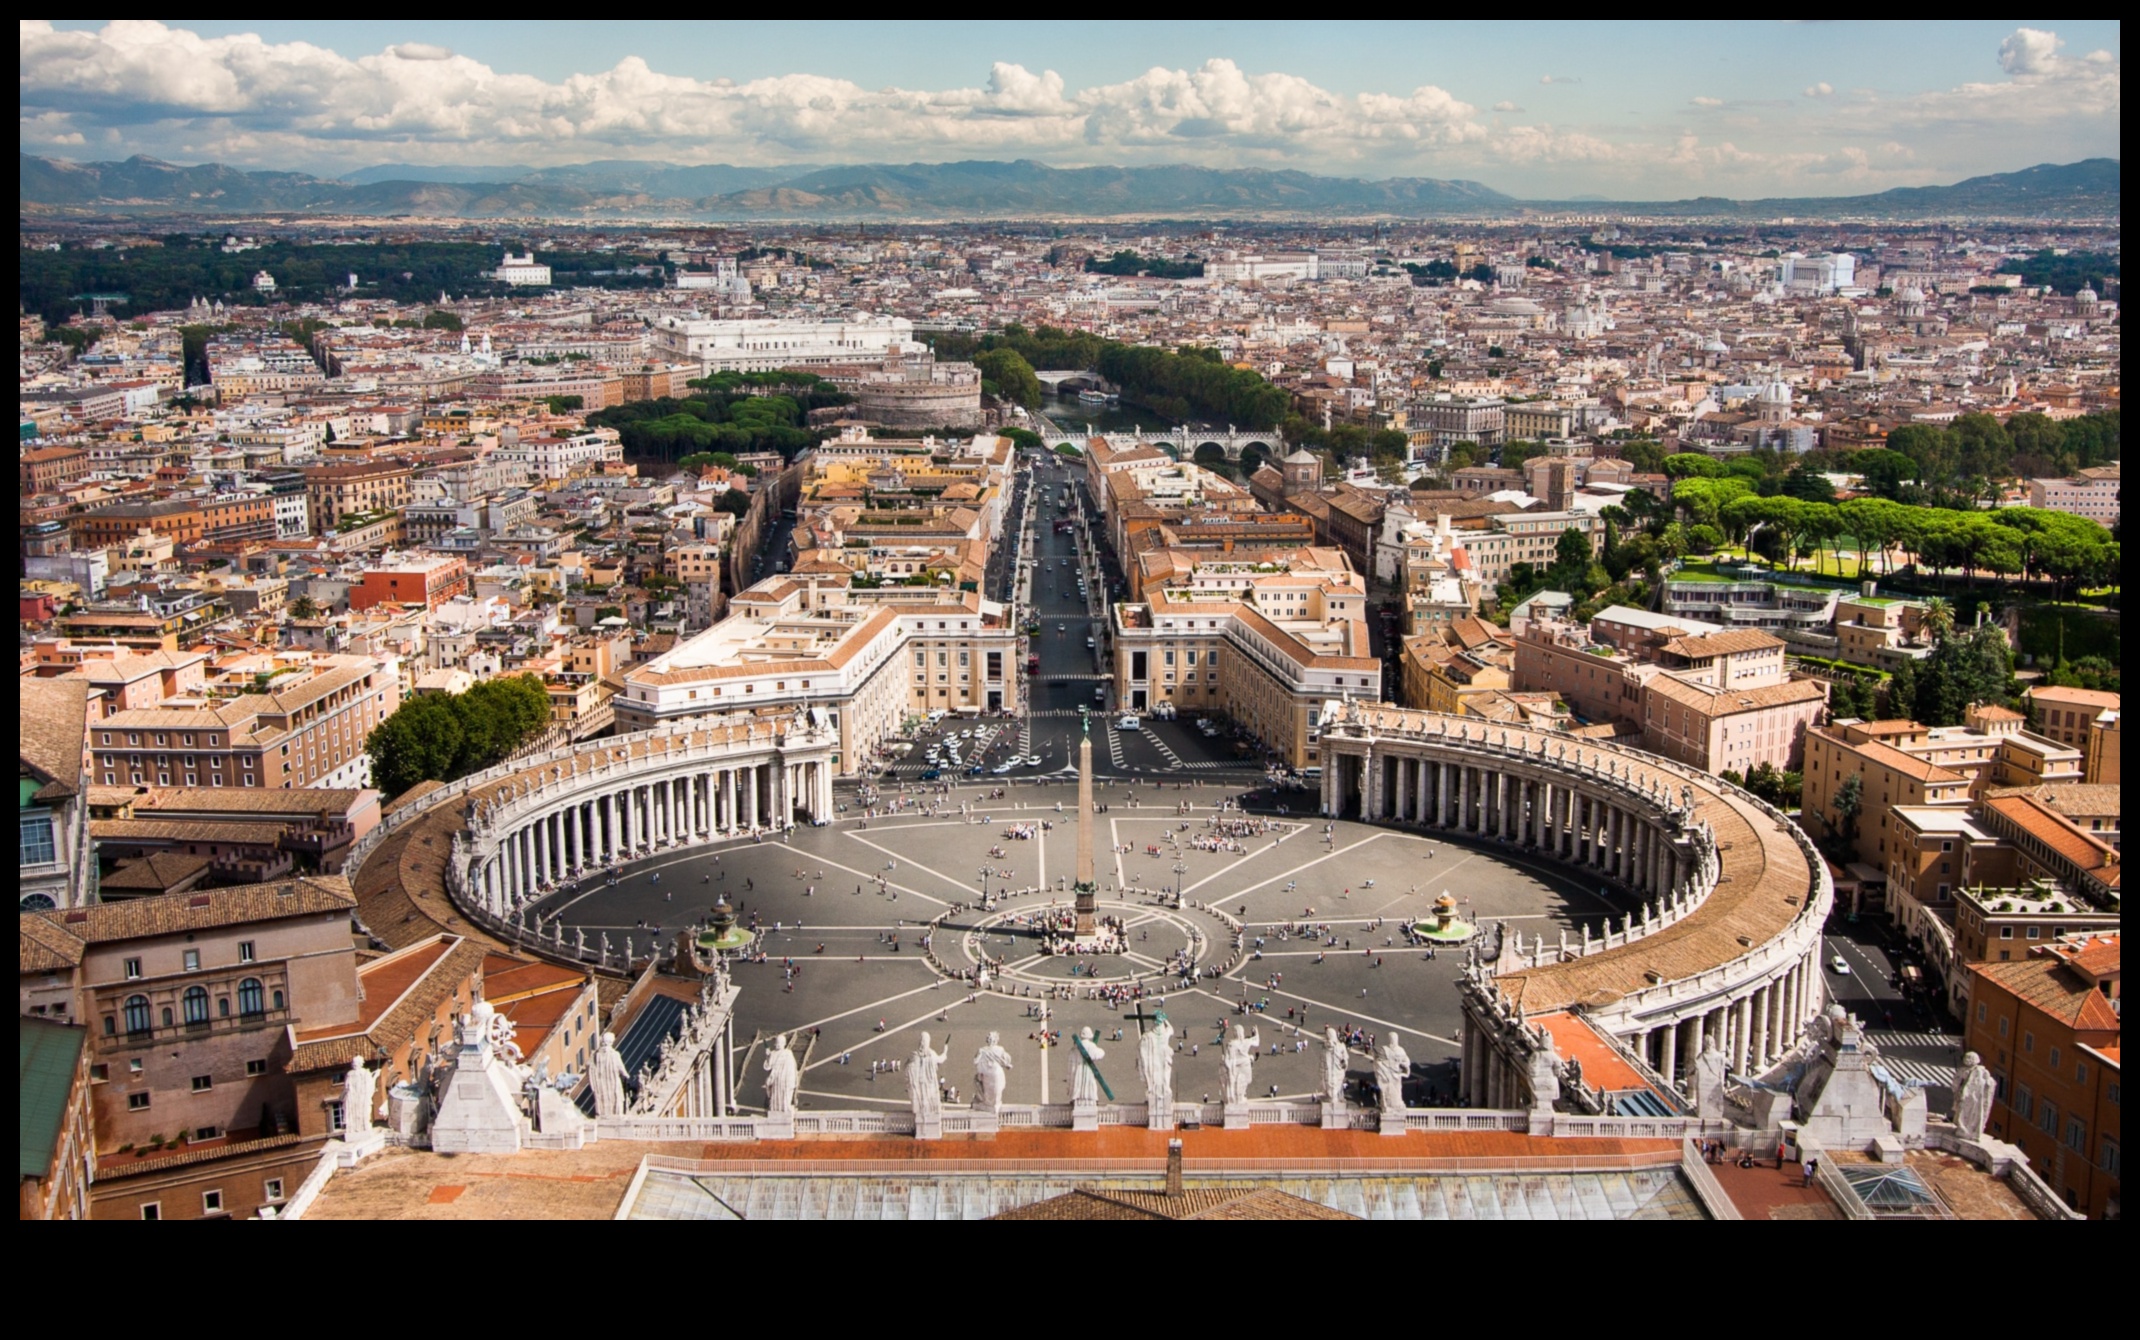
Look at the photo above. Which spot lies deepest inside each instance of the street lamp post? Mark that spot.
(986, 906)
(1179, 871)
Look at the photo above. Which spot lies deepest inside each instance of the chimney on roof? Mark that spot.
(1173, 1168)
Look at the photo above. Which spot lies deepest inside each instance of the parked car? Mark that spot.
(1128, 721)
(1837, 963)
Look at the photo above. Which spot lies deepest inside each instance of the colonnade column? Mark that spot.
(1668, 1058)
(1404, 789)
(1764, 1001)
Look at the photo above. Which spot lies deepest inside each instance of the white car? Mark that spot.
(1090, 643)
(1128, 721)
(1836, 963)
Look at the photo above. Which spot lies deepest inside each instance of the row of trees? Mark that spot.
(1959, 466)
(1174, 384)
(441, 737)
(2070, 551)
(1130, 264)
(721, 415)
(156, 278)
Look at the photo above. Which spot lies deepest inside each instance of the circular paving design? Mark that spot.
(840, 913)
(1158, 942)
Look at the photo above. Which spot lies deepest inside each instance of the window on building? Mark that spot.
(251, 999)
(137, 1102)
(193, 960)
(211, 1202)
(137, 1014)
(203, 1083)
(152, 1211)
(196, 1003)
(37, 841)
(271, 1189)
(245, 951)
(2047, 1118)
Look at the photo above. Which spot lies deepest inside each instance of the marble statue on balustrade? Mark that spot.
(991, 1071)
(780, 1079)
(1155, 1066)
(359, 1088)
(1085, 1074)
(1974, 1088)
(1241, 1064)
(1335, 1060)
(923, 1090)
(1393, 1064)
(606, 1078)
(1706, 1079)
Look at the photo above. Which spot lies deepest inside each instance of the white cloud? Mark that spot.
(298, 102)
(2029, 53)
(143, 86)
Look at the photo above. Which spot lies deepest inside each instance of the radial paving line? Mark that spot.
(1329, 855)
(890, 1031)
(1354, 1015)
(867, 877)
(918, 866)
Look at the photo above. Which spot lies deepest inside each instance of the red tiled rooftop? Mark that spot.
(383, 981)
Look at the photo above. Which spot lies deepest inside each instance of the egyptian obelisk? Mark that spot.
(1086, 887)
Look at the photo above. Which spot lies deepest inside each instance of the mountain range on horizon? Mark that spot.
(620, 190)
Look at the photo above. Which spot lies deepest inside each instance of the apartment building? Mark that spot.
(46, 469)
(2093, 493)
(1888, 776)
(1936, 850)
(429, 580)
(1443, 422)
(867, 658)
(191, 1001)
(769, 345)
(1270, 644)
(1499, 542)
(306, 727)
(2076, 718)
(1731, 729)
(2048, 1026)
(59, 1153)
(52, 803)
(333, 492)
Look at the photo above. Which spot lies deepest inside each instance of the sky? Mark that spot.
(1540, 110)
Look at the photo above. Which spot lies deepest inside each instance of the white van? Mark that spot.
(1128, 721)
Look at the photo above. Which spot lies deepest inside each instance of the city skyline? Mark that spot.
(1602, 110)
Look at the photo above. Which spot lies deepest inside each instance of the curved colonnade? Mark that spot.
(1726, 944)
(487, 846)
